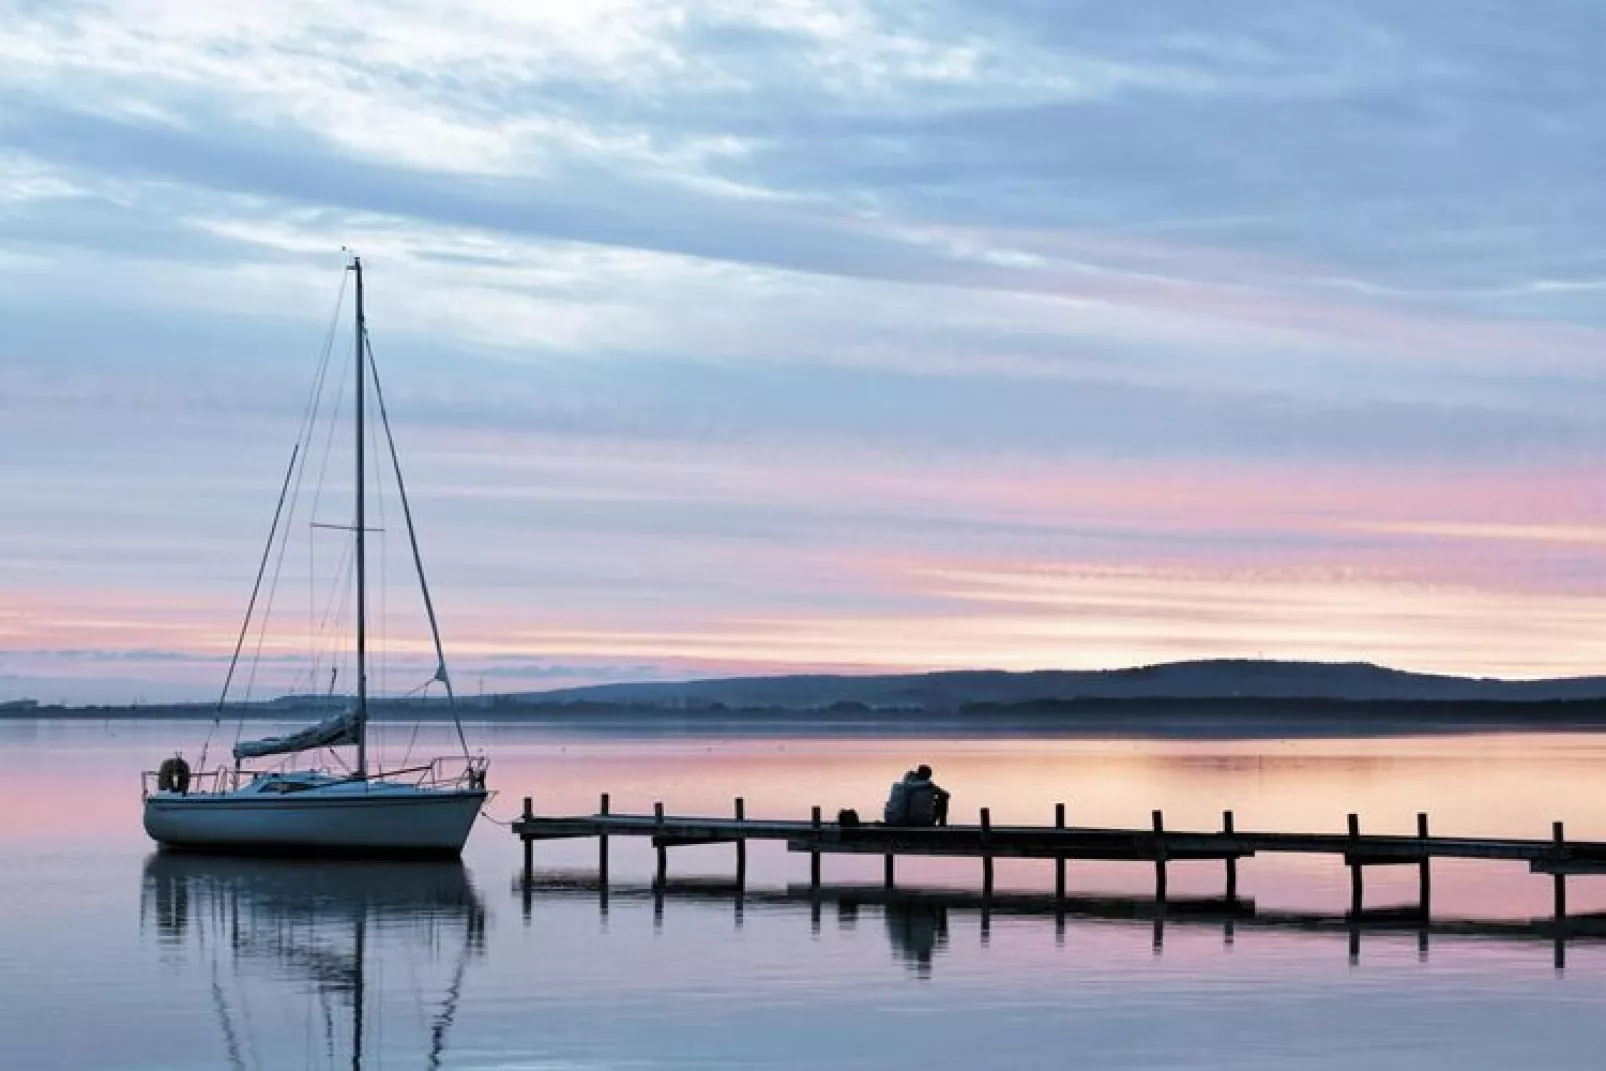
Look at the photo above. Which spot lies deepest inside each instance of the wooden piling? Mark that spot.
(602, 845)
(986, 876)
(529, 843)
(1356, 892)
(986, 859)
(527, 886)
(889, 875)
(663, 850)
(741, 864)
(814, 872)
(1559, 839)
(1158, 818)
(741, 845)
(1424, 874)
(814, 856)
(1059, 860)
(1232, 861)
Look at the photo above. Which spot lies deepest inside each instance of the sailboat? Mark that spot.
(359, 809)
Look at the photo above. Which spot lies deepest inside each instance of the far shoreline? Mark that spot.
(1202, 718)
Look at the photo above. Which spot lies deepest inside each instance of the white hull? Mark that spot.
(355, 818)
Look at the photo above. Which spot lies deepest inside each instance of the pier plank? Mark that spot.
(1550, 856)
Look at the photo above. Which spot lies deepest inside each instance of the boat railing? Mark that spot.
(447, 771)
(199, 782)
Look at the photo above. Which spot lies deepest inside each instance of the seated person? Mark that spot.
(916, 801)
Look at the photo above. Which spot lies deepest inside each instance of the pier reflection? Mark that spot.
(322, 926)
(917, 921)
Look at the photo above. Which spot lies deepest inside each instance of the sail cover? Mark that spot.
(331, 732)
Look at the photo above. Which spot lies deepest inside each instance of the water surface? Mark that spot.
(114, 956)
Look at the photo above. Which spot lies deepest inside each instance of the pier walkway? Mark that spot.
(1062, 843)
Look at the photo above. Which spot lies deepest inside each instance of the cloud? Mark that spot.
(715, 313)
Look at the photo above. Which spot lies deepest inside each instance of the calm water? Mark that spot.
(113, 957)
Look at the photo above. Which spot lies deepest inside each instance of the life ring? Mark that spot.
(174, 775)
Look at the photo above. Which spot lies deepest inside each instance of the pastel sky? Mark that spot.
(765, 335)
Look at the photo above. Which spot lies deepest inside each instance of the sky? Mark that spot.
(778, 335)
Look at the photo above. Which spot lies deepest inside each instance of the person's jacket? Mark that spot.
(922, 797)
(896, 812)
(912, 802)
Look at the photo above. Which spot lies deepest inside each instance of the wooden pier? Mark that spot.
(1062, 843)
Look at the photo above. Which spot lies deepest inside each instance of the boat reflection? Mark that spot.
(319, 924)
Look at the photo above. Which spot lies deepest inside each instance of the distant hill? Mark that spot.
(1215, 679)
(1222, 690)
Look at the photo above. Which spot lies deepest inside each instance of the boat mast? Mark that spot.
(362, 546)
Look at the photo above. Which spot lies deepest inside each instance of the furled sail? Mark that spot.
(331, 732)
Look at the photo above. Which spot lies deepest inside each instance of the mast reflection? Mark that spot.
(315, 924)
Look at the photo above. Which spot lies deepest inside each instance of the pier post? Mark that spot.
(1559, 837)
(889, 876)
(529, 843)
(1059, 861)
(741, 845)
(1159, 856)
(663, 852)
(1356, 892)
(1424, 877)
(741, 865)
(814, 854)
(1228, 930)
(987, 858)
(814, 873)
(602, 845)
(1232, 860)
